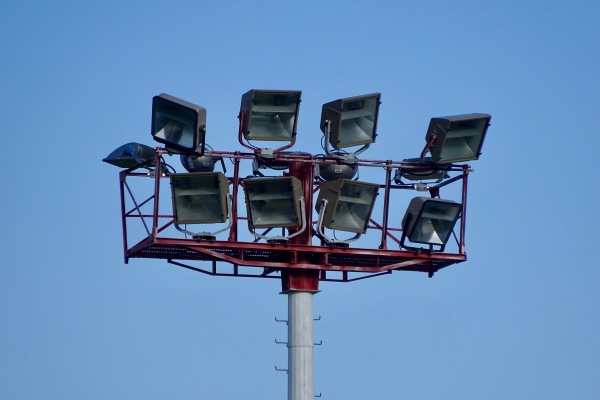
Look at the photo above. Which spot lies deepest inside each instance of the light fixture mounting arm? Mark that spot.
(428, 145)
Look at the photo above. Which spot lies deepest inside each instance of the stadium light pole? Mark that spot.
(300, 286)
(302, 256)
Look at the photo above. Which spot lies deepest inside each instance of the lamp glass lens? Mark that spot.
(461, 144)
(198, 199)
(435, 223)
(357, 122)
(271, 203)
(273, 116)
(174, 124)
(354, 207)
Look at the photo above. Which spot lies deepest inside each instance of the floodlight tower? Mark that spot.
(289, 243)
(269, 116)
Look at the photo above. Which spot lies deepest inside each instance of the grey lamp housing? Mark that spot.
(178, 124)
(429, 221)
(457, 138)
(270, 115)
(348, 204)
(273, 202)
(352, 121)
(200, 197)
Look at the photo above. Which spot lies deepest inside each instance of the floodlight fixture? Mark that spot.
(275, 202)
(414, 169)
(279, 162)
(345, 205)
(202, 163)
(201, 198)
(270, 115)
(456, 138)
(178, 124)
(130, 155)
(429, 221)
(193, 163)
(350, 122)
(332, 171)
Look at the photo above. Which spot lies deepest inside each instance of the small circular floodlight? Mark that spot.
(330, 172)
(203, 163)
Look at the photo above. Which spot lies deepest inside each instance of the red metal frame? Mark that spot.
(301, 262)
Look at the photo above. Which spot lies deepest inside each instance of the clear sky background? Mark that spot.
(519, 320)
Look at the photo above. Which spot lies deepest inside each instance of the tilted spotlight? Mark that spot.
(350, 122)
(130, 155)
(429, 221)
(345, 205)
(201, 198)
(456, 138)
(178, 124)
(275, 202)
(269, 115)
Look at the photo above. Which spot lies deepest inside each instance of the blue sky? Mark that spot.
(519, 319)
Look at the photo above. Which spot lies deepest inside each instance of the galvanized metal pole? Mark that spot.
(300, 286)
(300, 345)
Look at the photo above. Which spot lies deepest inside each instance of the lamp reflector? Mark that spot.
(200, 197)
(457, 138)
(349, 204)
(273, 202)
(430, 221)
(270, 115)
(178, 124)
(353, 120)
(130, 155)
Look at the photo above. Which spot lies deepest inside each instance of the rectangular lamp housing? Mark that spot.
(270, 115)
(200, 197)
(430, 221)
(178, 124)
(353, 120)
(349, 204)
(273, 202)
(458, 138)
